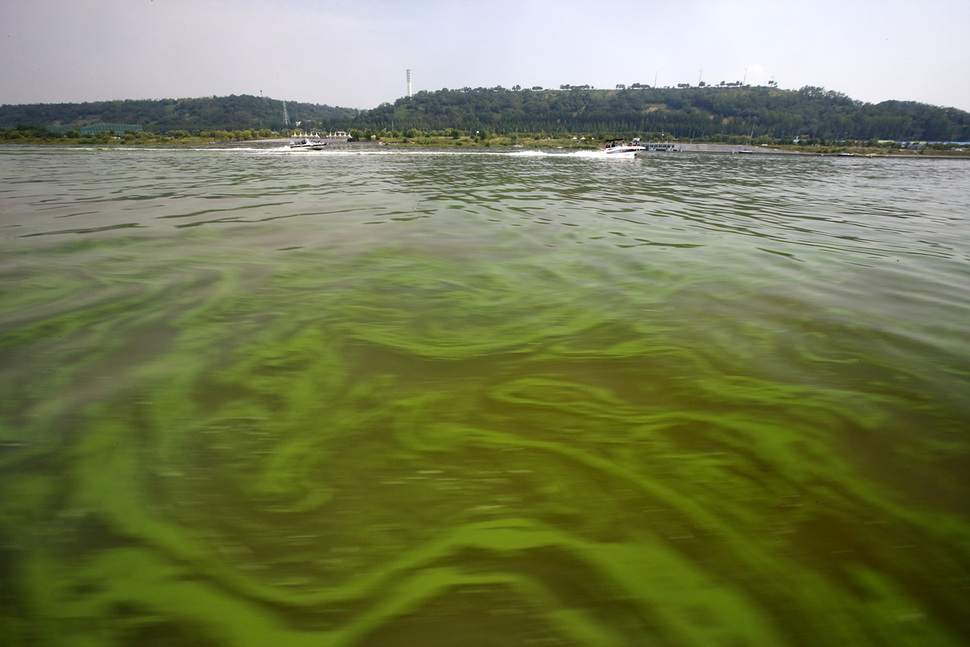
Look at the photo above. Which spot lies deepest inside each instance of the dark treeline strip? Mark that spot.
(682, 113)
(243, 112)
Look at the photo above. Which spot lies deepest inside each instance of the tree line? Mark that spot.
(708, 113)
(236, 112)
(683, 113)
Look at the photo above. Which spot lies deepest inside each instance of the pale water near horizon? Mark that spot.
(253, 397)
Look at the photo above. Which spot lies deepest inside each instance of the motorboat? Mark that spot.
(620, 146)
(307, 144)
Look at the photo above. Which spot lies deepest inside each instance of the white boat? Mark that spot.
(307, 144)
(619, 147)
(659, 147)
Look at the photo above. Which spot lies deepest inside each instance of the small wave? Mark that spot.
(416, 152)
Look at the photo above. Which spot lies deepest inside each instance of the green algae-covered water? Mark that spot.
(253, 397)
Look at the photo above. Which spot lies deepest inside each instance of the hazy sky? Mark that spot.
(354, 53)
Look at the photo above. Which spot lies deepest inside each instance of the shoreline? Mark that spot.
(442, 143)
(733, 149)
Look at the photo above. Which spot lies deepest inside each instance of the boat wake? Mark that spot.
(414, 152)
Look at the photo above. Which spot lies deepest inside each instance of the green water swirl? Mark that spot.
(420, 439)
(428, 435)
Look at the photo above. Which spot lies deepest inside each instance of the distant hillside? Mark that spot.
(242, 112)
(697, 113)
(682, 112)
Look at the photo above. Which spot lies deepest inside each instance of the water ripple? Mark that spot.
(394, 397)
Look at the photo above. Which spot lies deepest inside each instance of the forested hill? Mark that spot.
(697, 113)
(242, 112)
(682, 112)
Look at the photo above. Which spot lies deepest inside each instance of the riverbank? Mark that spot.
(847, 151)
(499, 142)
(733, 149)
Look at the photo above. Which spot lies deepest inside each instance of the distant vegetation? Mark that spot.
(160, 116)
(730, 113)
(684, 113)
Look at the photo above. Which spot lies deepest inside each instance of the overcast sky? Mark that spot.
(355, 53)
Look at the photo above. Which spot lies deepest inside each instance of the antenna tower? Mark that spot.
(409, 83)
(286, 117)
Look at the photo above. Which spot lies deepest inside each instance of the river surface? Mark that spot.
(250, 397)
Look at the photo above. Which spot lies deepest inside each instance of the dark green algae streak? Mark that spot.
(424, 445)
